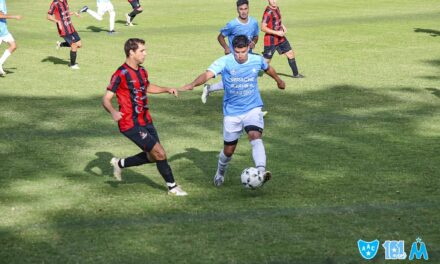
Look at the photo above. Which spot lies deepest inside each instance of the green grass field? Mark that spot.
(354, 147)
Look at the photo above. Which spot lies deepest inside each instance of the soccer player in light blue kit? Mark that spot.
(5, 35)
(242, 103)
(242, 25)
(103, 7)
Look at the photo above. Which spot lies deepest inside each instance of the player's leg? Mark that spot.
(254, 126)
(209, 88)
(12, 46)
(96, 15)
(75, 45)
(137, 9)
(112, 16)
(286, 49)
(232, 128)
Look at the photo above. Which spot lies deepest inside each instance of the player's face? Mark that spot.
(243, 11)
(241, 54)
(139, 54)
(273, 3)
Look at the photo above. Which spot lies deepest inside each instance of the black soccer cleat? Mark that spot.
(298, 76)
(83, 9)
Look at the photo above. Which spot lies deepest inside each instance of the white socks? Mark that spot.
(215, 87)
(6, 54)
(259, 154)
(222, 163)
(94, 14)
(112, 20)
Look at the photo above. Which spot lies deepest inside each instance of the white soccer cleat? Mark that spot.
(2, 72)
(117, 172)
(205, 93)
(58, 46)
(177, 191)
(83, 9)
(219, 179)
(264, 113)
(75, 67)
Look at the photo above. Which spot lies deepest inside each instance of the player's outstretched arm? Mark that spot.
(107, 104)
(272, 73)
(155, 89)
(3, 16)
(201, 79)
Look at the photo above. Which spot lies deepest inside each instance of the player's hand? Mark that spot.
(173, 91)
(76, 14)
(18, 17)
(117, 116)
(227, 51)
(281, 84)
(280, 33)
(252, 45)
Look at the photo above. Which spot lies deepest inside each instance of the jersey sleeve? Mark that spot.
(114, 83)
(227, 30)
(52, 9)
(264, 65)
(256, 29)
(218, 66)
(266, 16)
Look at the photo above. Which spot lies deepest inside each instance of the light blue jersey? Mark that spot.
(235, 28)
(240, 83)
(98, 2)
(3, 24)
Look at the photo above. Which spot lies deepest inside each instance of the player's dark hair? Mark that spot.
(242, 2)
(240, 41)
(132, 44)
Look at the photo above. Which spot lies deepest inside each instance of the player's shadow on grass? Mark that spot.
(285, 74)
(55, 60)
(200, 159)
(96, 29)
(432, 32)
(434, 91)
(102, 164)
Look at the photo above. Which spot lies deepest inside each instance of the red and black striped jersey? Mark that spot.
(130, 86)
(60, 9)
(272, 18)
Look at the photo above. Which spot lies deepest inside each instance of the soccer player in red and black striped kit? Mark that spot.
(275, 37)
(137, 9)
(130, 84)
(60, 14)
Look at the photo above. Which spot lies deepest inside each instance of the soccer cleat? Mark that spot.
(177, 191)
(205, 93)
(267, 175)
(117, 172)
(83, 9)
(264, 113)
(219, 179)
(2, 72)
(111, 32)
(58, 46)
(74, 66)
(298, 76)
(128, 20)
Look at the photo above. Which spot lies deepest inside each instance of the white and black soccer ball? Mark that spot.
(252, 178)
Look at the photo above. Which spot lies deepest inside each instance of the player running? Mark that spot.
(103, 7)
(5, 35)
(275, 37)
(242, 25)
(242, 102)
(137, 9)
(60, 14)
(130, 84)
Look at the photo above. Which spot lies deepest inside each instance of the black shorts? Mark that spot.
(281, 48)
(135, 4)
(72, 38)
(145, 137)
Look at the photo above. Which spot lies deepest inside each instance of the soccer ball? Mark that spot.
(252, 178)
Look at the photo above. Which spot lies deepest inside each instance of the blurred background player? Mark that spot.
(60, 14)
(5, 35)
(137, 9)
(242, 25)
(274, 39)
(103, 7)
(242, 103)
(130, 84)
